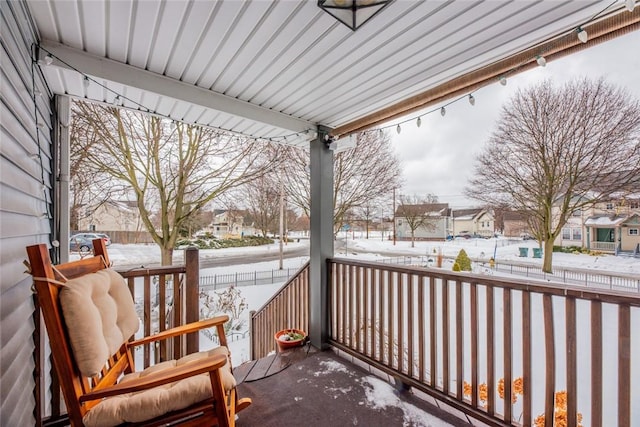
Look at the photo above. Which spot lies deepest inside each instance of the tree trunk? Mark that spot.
(413, 239)
(167, 256)
(547, 256)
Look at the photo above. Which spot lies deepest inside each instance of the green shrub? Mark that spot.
(456, 266)
(463, 261)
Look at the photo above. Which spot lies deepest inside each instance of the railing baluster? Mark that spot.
(162, 316)
(400, 278)
(391, 307)
(506, 352)
(433, 337)
(526, 357)
(596, 364)
(421, 334)
(459, 329)
(572, 379)
(410, 324)
(381, 312)
(474, 329)
(147, 318)
(624, 365)
(178, 315)
(444, 301)
(357, 292)
(490, 352)
(550, 358)
(365, 321)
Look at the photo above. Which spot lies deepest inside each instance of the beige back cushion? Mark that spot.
(100, 316)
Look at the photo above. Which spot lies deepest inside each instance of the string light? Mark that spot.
(541, 61)
(418, 121)
(503, 80)
(443, 111)
(120, 100)
(472, 100)
(398, 129)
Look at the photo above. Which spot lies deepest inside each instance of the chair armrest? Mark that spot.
(181, 330)
(155, 379)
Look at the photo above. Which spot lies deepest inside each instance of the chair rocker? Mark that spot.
(90, 318)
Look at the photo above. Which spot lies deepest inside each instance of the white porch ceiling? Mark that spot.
(274, 68)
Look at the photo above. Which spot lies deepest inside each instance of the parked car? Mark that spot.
(93, 236)
(105, 237)
(78, 243)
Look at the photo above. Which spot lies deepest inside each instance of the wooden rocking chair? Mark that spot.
(90, 316)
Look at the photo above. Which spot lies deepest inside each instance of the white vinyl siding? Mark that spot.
(23, 200)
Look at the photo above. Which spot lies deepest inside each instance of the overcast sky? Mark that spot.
(439, 156)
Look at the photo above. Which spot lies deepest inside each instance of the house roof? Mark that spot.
(466, 214)
(605, 221)
(276, 69)
(432, 209)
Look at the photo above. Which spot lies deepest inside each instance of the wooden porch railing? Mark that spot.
(288, 308)
(161, 305)
(477, 342)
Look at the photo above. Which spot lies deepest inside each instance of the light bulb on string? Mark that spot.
(48, 60)
(541, 61)
(582, 35)
(398, 129)
(443, 111)
(503, 80)
(86, 82)
(630, 5)
(472, 100)
(418, 122)
(116, 100)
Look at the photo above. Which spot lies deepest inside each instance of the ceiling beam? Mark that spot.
(554, 48)
(128, 75)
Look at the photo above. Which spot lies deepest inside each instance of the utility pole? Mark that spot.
(394, 217)
(281, 223)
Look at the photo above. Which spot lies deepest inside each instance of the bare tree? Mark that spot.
(174, 170)
(559, 149)
(418, 212)
(263, 199)
(360, 175)
(89, 187)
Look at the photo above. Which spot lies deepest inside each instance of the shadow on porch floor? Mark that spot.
(319, 388)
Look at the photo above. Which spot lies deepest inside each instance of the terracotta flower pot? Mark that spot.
(296, 338)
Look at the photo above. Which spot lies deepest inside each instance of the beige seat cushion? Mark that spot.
(100, 316)
(136, 407)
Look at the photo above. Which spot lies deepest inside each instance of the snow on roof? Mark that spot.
(465, 218)
(605, 220)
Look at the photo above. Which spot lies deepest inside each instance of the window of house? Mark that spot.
(634, 204)
(577, 212)
(566, 234)
(609, 205)
(633, 232)
(577, 234)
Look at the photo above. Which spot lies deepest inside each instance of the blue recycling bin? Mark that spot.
(524, 252)
(537, 252)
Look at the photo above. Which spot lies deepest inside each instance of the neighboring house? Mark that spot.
(230, 222)
(111, 216)
(610, 226)
(477, 222)
(438, 225)
(515, 224)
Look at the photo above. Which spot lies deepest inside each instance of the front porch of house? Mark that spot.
(426, 339)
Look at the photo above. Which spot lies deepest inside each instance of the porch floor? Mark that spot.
(307, 387)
